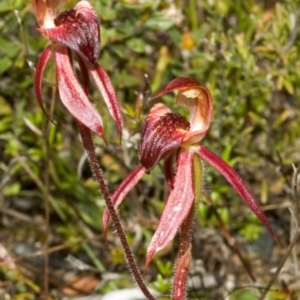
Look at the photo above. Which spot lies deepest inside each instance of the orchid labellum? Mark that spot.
(77, 31)
(171, 137)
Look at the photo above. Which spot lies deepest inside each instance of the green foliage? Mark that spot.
(251, 229)
(163, 280)
(244, 295)
(161, 285)
(164, 268)
(253, 294)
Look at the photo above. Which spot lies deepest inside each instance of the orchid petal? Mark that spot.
(45, 11)
(38, 78)
(197, 99)
(73, 96)
(121, 192)
(237, 183)
(107, 91)
(163, 132)
(77, 29)
(178, 205)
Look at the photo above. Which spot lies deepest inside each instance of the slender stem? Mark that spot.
(193, 12)
(296, 232)
(295, 193)
(287, 254)
(97, 171)
(183, 258)
(230, 241)
(295, 218)
(54, 248)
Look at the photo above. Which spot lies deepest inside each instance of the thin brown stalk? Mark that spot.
(295, 230)
(54, 249)
(296, 174)
(230, 241)
(97, 171)
(287, 254)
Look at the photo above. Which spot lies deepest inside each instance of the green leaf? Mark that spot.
(6, 5)
(5, 107)
(136, 45)
(8, 48)
(5, 64)
(12, 189)
(159, 22)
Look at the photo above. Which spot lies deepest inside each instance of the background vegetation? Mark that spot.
(248, 54)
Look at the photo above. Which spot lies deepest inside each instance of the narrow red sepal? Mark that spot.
(178, 83)
(38, 78)
(73, 96)
(108, 93)
(178, 205)
(121, 192)
(237, 183)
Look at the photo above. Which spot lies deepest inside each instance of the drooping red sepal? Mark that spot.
(178, 205)
(237, 183)
(77, 29)
(72, 94)
(108, 93)
(197, 99)
(121, 192)
(163, 132)
(38, 78)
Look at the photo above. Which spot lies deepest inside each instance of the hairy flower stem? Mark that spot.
(183, 258)
(88, 145)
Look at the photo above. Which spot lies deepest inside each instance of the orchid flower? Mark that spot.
(171, 137)
(76, 30)
(75, 33)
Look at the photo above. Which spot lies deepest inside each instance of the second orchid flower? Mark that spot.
(75, 30)
(171, 137)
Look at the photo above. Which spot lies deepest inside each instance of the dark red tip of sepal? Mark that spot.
(238, 184)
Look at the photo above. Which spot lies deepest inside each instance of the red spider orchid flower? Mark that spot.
(76, 30)
(171, 137)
